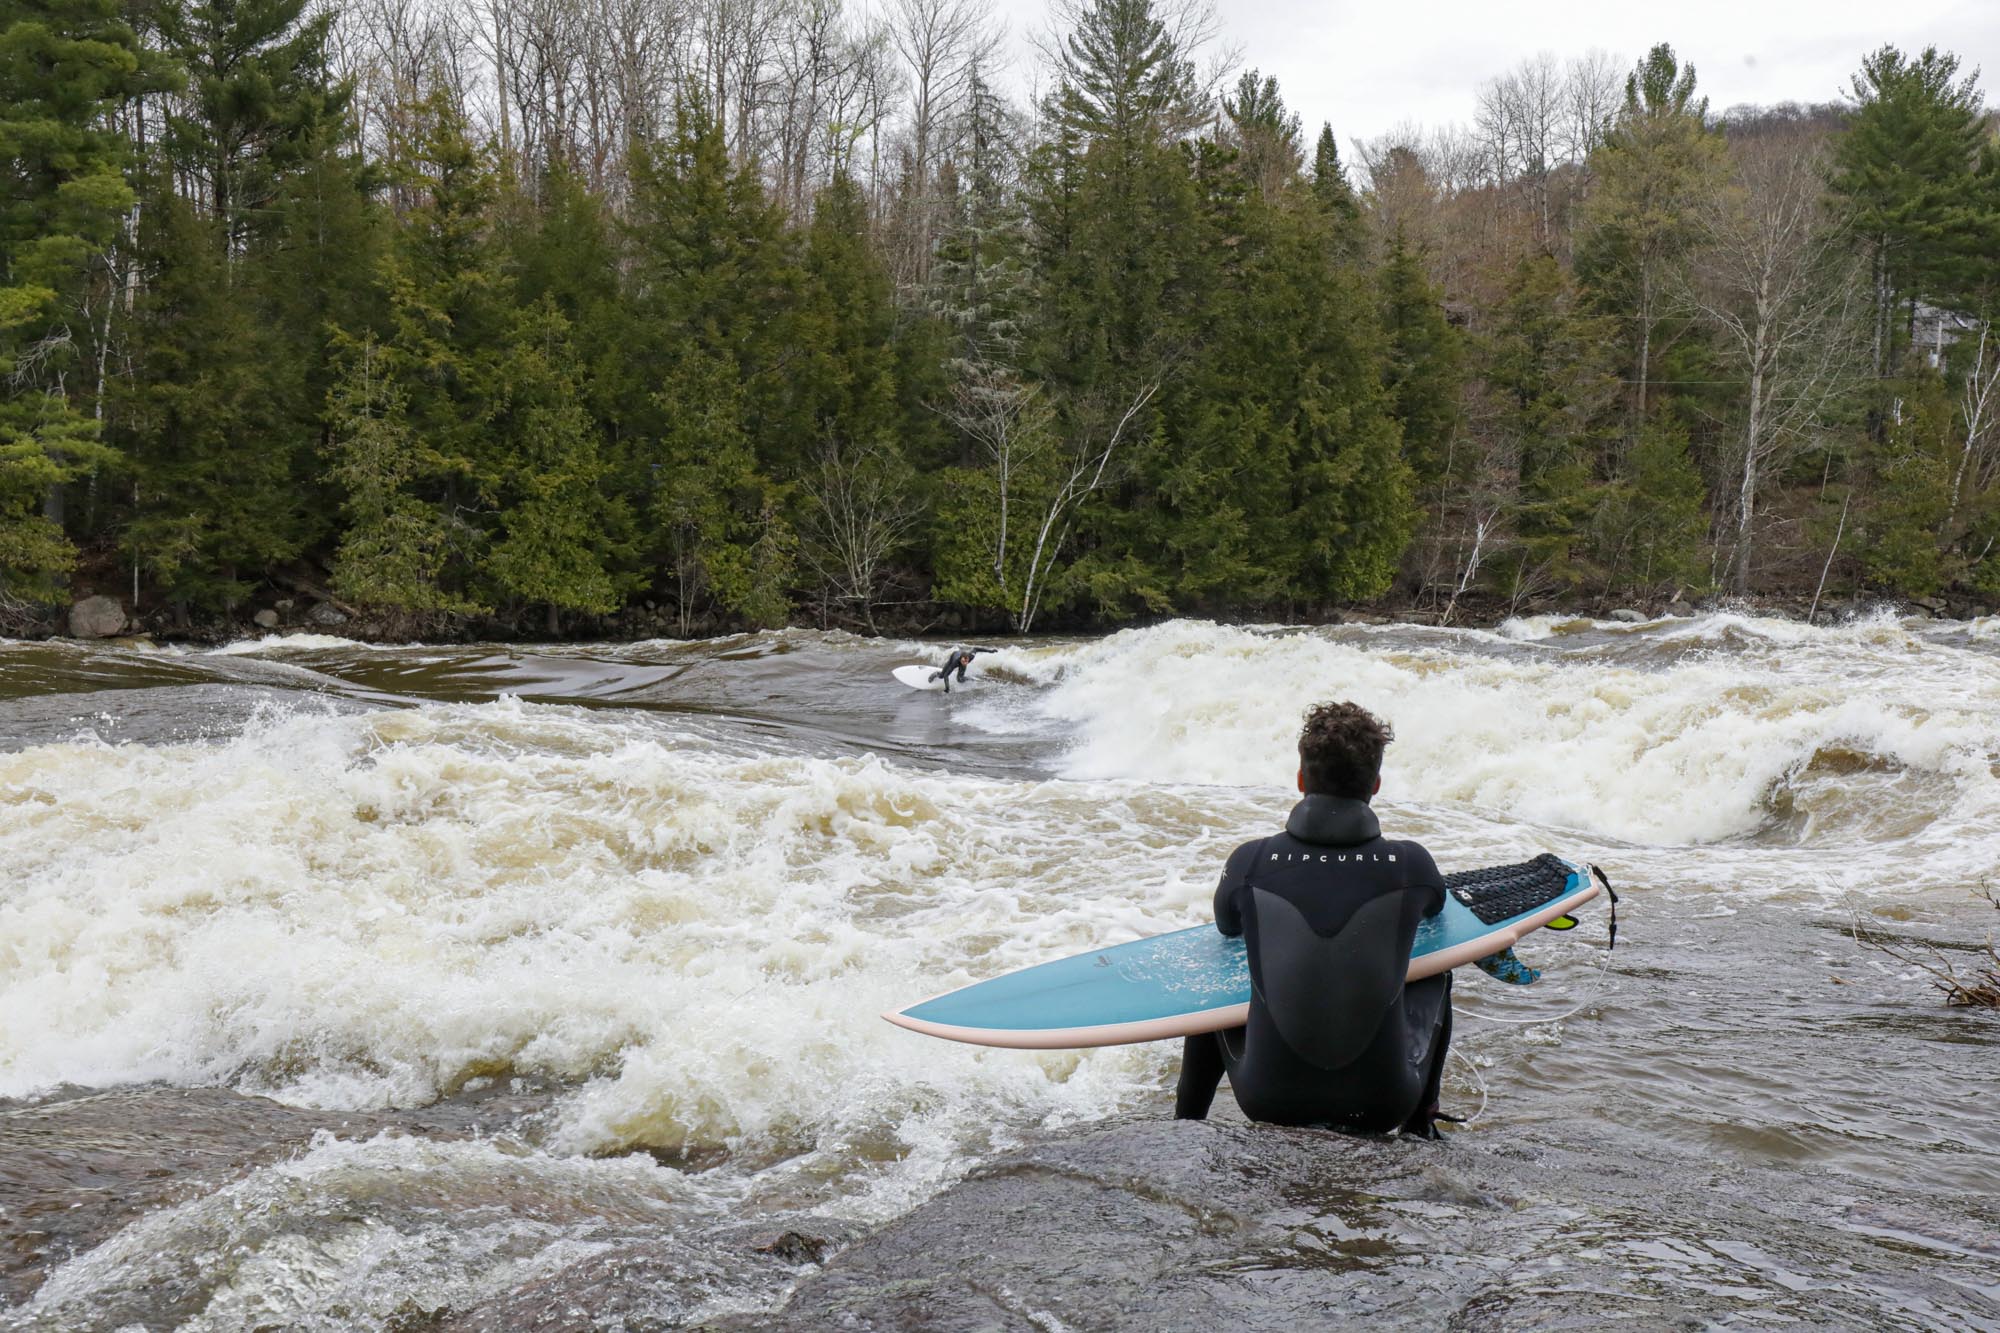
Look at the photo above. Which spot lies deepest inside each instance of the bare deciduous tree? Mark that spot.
(1092, 448)
(1522, 120)
(861, 514)
(1593, 91)
(1010, 421)
(1776, 282)
(1979, 417)
(942, 44)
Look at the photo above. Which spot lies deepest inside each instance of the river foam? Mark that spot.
(690, 939)
(1698, 739)
(666, 909)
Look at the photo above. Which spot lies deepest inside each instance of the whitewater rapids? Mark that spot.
(658, 893)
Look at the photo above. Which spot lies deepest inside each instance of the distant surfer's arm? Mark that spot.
(1235, 874)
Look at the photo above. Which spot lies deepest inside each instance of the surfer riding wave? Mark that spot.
(960, 659)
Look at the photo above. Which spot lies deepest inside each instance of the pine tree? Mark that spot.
(220, 413)
(1264, 133)
(1124, 79)
(1653, 174)
(260, 99)
(1902, 169)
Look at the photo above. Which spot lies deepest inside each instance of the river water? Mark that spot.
(538, 952)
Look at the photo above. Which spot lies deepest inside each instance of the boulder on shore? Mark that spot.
(265, 619)
(1625, 615)
(97, 617)
(326, 613)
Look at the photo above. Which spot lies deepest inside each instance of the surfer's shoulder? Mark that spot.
(1418, 864)
(1243, 858)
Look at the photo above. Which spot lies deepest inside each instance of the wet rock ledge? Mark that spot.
(1165, 1225)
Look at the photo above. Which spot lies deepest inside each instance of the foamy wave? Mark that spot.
(380, 1248)
(1688, 751)
(297, 643)
(1531, 629)
(359, 910)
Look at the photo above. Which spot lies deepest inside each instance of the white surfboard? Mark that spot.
(919, 678)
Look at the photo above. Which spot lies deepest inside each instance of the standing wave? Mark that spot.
(685, 940)
(1698, 739)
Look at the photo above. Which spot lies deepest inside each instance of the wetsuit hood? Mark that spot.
(1333, 821)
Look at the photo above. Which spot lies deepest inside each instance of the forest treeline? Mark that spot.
(540, 312)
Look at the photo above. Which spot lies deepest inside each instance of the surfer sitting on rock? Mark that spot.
(1328, 910)
(960, 659)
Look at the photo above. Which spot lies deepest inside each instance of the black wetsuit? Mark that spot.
(952, 664)
(1329, 909)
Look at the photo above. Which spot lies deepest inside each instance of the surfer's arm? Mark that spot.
(1235, 873)
(1423, 874)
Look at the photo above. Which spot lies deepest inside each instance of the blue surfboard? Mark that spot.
(1198, 980)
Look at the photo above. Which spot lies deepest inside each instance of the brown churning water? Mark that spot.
(544, 953)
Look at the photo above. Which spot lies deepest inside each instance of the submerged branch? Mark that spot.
(1964, 986)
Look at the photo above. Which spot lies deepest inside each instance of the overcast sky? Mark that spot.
(1367, 67)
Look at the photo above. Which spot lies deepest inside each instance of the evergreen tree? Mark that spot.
(260, 99)
(980, 277)
(63, 64)
(316, 265)
(1651, 523)
(1264, 133)
(212, 422)
(1908, 496)
(720, 519)
(1422, 368)
(562, 246)
(1330, 186)
(1124, 78)
(716, 300)
(396, 549)
(1654, 172)
(1351, 505)
(412, 444)
(1547, 365)
(859, 504)
(220, 416)
(553, 546)
(1903, 170)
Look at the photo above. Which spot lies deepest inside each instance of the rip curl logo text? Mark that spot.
(1324, 857)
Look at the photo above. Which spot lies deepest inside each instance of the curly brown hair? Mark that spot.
(1340, 750)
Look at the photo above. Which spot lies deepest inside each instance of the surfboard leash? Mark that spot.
(1612, 894)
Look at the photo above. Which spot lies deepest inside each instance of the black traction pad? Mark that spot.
(1500, 893)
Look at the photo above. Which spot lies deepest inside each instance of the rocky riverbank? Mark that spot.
(314, 611)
